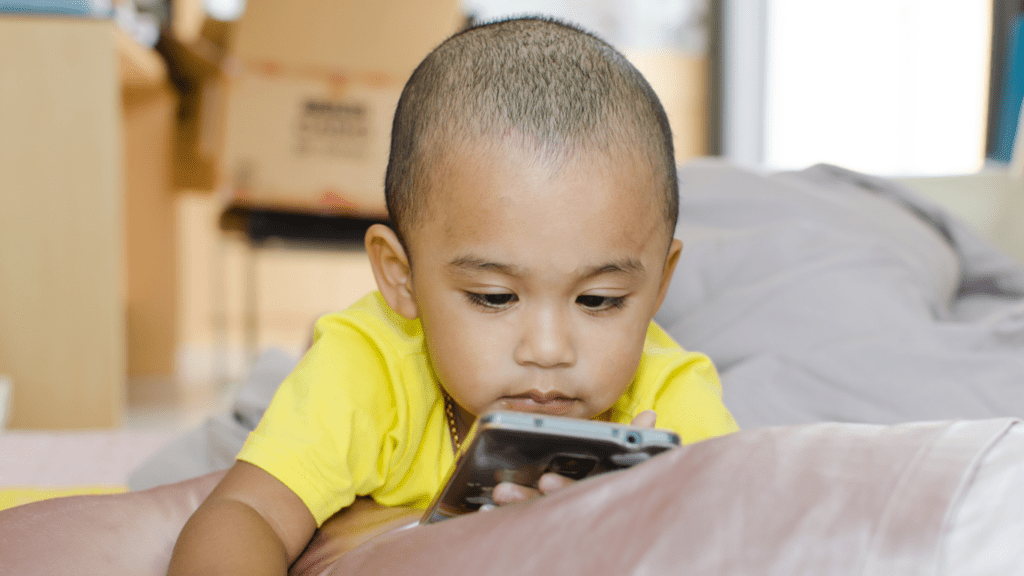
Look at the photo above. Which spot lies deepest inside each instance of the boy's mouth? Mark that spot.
(551, 403)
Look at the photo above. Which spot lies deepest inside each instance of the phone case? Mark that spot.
(520, 447)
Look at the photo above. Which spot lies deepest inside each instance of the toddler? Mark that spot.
(532, 193)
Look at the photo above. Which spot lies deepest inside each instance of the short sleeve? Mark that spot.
(325, 434)
(682, 387)
(690, 400)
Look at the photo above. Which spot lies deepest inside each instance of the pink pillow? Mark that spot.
(799, 500)
(114, 535)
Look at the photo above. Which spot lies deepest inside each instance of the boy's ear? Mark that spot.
(674, 250)
(391, 269)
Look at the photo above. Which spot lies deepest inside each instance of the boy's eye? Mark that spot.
(600, 303)
(492, 301)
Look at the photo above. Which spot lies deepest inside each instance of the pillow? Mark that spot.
(117, 534)
(133, 534)
(816, 499)
(828, 295)
(802, 500)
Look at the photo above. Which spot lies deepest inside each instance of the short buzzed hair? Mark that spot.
(554, 84)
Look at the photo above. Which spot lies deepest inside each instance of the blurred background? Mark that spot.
(184, 183)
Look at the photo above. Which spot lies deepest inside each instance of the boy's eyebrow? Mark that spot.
(628, 266)
(474, 264)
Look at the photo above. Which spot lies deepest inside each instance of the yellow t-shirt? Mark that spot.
(362, 413)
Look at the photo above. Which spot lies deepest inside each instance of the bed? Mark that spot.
(870, 339)
(829, 295)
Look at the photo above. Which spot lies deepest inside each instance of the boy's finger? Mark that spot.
(509, 493)
(552, 482)
(645, 419)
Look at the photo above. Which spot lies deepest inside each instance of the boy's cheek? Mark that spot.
(468, 343)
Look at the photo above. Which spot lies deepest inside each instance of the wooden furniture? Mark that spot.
(76, 282)
(148, 111)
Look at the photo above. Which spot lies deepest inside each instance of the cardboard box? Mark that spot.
(681, 82)
(354, 36)
(317, 142)
(199, 135)
(196, 63)
(311, 96)
(151, 249)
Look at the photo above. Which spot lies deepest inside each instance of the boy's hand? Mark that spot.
(645, 419)
(509, 493)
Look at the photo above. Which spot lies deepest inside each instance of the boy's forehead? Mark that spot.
(485, 159)
(484, 184)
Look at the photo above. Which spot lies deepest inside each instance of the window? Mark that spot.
(894, 87)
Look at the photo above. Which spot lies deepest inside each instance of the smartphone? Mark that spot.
(520, 447)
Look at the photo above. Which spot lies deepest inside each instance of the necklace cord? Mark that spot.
(449, 412)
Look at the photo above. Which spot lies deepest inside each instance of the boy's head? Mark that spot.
(533, 191)
(543, 84)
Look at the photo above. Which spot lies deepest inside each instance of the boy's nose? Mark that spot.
(546, 340)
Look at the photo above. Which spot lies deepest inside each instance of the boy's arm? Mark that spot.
(251, 524)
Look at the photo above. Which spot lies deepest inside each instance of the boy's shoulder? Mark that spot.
(658, 341)
(363, 344)
(372, 315)
(664, 362)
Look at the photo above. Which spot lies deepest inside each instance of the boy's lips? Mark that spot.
(552, 403)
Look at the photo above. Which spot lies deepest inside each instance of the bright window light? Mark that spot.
(225, 9)
(894, 87)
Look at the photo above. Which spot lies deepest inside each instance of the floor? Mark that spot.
(159, 409)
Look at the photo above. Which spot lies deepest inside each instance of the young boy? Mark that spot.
(532, 189)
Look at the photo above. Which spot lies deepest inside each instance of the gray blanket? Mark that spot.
(828, 295)
(821, 295)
